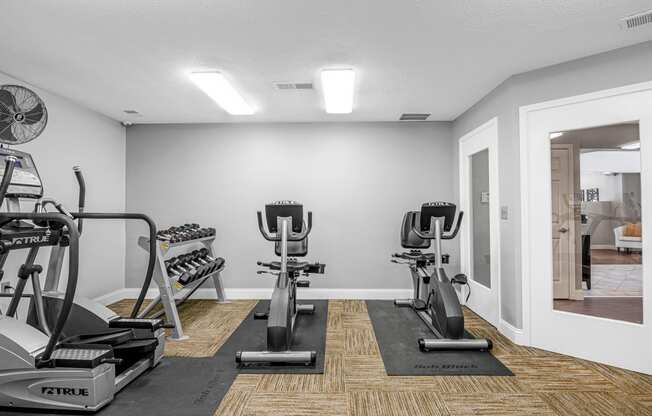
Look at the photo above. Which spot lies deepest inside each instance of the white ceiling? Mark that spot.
(435, 56)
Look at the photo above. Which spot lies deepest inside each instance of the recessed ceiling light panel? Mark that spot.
(216, 86)
(338, 86)
(631, 146)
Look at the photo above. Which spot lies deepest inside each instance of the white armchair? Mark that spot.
(627, 243)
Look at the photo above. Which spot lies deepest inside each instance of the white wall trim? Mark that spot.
(512, 333)
(247, 293)
(603, 247)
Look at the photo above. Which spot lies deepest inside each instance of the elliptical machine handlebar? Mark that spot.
(10, 164)
(152, 246)
(430, 234)
(291, 236)
(43, 360)
(82, 194)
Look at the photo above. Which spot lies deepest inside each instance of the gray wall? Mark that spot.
(608, 70)
(75, 135)
(357, 178)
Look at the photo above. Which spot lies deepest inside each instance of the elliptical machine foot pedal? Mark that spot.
(137, 323)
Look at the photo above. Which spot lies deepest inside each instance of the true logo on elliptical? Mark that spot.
(25, 240)
(64, 391)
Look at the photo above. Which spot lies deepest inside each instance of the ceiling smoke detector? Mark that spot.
(414, 116)
(293, 85)
(636, 20)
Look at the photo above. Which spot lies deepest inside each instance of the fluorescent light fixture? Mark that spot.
(216, 86)
(338, 85)
(556, 135)
(631, 146)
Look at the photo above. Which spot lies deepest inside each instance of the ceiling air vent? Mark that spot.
(293, 85)
(414, 116)
(636, 20)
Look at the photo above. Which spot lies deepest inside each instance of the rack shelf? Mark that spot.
(170, 292)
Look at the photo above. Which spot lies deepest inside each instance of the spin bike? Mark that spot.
(290, 235)
(435, 299)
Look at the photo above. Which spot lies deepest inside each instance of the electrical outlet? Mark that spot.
(504, 212)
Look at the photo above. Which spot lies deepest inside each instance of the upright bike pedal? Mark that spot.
(303, 283)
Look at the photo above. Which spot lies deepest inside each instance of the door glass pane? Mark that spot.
(480, 218)
(596, 222)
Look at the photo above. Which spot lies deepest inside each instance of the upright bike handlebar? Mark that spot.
(291, 236)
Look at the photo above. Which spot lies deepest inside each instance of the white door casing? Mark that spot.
(483, 300)
(619, 343)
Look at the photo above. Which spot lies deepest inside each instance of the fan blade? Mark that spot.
(34, 115)
(7, 102)
(6, 135)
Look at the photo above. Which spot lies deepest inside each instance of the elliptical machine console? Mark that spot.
(435, 299)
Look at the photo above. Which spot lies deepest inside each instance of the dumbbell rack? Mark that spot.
(172, 293)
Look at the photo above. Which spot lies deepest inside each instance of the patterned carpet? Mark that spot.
(354, 382)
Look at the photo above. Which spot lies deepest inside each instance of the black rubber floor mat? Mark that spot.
(309, 335)
(177, 386)
(196, 386)
(397, 331)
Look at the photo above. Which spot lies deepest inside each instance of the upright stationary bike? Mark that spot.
(435, 300)
(289, 233)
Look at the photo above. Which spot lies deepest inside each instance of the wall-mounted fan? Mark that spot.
(22, 114)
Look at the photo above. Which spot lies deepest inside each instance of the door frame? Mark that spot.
(469, 144)
(536, 121)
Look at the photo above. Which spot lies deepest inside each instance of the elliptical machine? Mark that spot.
(48, 362)
(289, 233)
(435, 299)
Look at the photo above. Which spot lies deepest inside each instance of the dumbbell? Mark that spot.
(200, 270)
(213, 263)
(208, 265)
(175, 268)
(193, 270)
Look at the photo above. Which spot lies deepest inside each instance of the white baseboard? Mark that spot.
(516, 335)
(603, 247)
(245, 293)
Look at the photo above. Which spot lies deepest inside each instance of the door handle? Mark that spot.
(563, 230)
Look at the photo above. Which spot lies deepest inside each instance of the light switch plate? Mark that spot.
(504, 212)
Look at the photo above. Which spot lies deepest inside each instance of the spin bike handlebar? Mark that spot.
(430, 235)
(291, 236)
(10, 164)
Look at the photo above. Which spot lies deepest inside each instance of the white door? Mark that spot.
(611, 341)
(480, 239)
